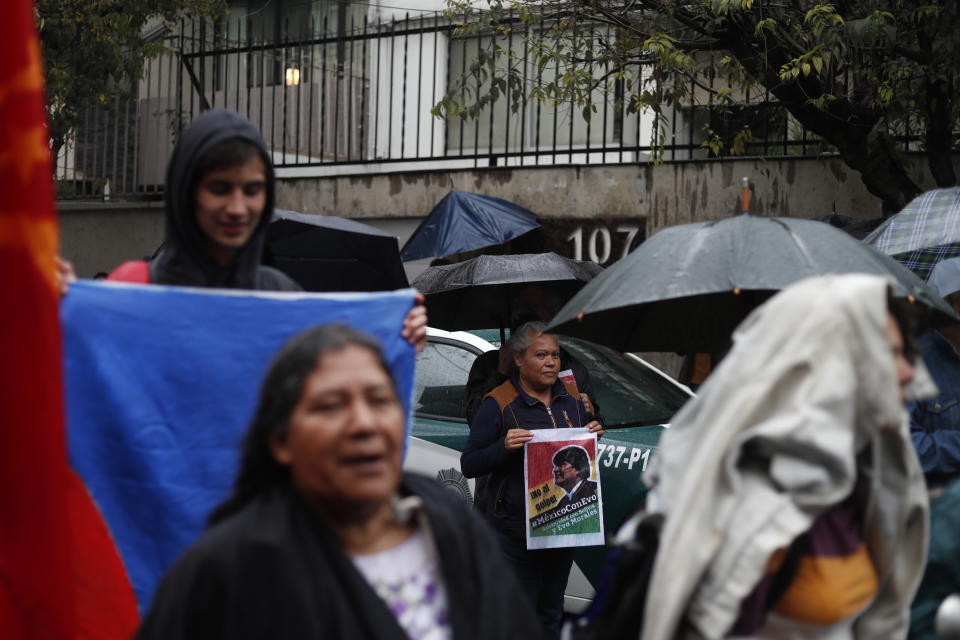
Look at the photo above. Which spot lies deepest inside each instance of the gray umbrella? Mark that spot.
(479, 293)
(687, 287)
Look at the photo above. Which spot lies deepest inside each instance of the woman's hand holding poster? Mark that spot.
(564, 505)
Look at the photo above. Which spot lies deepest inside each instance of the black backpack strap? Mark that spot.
(618, 607)
(788, 570)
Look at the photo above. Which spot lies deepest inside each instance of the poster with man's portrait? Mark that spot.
(564, 505)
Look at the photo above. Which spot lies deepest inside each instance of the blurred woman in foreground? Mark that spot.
(795, 505)
(324, 536)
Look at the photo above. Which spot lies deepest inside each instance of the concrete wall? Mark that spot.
(98, 236)
(667, 194)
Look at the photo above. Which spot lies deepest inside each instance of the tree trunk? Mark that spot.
(871, 152)
(54, 153)
(856, 133)
(58, 131)
(939, 135)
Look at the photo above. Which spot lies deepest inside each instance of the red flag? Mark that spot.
(60, 574)
(36, 564)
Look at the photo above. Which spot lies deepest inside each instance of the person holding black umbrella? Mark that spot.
(534, 303)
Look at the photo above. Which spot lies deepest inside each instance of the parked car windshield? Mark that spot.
(440, 387)
(629, 393)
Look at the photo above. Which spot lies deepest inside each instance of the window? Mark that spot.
(629, 394)
(536, 125)
(259, 22)
(767, 123)
(440, 388)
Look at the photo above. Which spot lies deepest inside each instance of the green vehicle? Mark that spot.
(637, 402)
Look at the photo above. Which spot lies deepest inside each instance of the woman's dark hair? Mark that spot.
(228, 154)
(281, 391)
(911, 318)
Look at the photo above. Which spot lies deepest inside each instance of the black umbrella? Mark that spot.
(479, 293)
(687, 287)
(327, 253)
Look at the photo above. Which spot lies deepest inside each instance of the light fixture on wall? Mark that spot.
(292, 76)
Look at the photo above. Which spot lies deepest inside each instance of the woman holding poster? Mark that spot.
(535, 406)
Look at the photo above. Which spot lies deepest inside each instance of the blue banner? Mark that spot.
(161, 383)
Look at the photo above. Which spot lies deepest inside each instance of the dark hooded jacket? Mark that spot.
(183, 258)
(275, 570)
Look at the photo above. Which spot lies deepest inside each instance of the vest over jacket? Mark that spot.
(509, 407)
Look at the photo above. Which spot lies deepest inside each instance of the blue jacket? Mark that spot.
(935, 423)
(509, 407)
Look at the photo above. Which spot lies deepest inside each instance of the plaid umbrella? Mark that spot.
(924, 233)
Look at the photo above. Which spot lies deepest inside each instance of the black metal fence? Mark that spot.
(351, 91)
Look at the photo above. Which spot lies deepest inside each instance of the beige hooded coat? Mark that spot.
(806, 401)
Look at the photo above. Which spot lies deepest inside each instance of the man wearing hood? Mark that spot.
(219, 196)
(219, 199)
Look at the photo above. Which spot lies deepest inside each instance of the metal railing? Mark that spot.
(350, 94)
